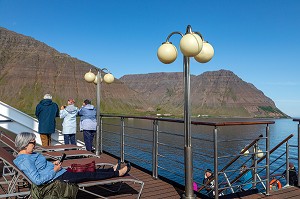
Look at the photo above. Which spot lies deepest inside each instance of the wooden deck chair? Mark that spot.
(12, 176)
(17, 174)
(9, 141)
(48, 154)
(61, 147)
(99, 162)
(122, 180)
(45, 148)
(70, 154)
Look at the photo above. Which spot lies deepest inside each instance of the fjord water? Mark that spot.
(232, 139)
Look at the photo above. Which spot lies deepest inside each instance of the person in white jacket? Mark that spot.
(69, 114)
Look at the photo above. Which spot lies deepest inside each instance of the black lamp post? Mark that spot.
(192, 44)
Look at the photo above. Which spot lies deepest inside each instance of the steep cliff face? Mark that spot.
(29, 69)
(217, 93)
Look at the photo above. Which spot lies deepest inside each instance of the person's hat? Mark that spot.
(87, 101)
(291, 164)
(208, 170)
(72, 101)
(47, 96)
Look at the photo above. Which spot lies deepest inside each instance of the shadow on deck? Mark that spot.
(163, 189)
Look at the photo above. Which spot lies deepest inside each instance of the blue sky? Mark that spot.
(256, 39)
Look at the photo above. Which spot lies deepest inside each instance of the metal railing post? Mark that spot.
(254, 171)
(155, 150)
(262, 183)
(216, 187)
(101, 135)
(122, 140)
(298, 153)
(287, 176)
(188, 154)
(228, 182)
(268, 159)
(99, 126)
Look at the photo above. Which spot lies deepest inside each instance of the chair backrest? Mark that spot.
(8, 142)
(10, 169)
(8, 158)
(7, 136)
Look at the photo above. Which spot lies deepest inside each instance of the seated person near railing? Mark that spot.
(209, 186)
(195, 186)
(293, 176)
(246, 178)
(41, 172)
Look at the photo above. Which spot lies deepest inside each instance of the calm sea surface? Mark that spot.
(232, 139)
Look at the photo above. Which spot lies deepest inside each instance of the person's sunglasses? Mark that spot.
(32, 142)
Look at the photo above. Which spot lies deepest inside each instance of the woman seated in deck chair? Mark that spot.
(41, 172)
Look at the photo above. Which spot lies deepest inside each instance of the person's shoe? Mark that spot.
(119, 165)
(125, 170)
(128, 168)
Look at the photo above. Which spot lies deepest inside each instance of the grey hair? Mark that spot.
(23, 139)
(47, 96)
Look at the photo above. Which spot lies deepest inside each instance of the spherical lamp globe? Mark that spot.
(109, 78)
(205, 54)
(167, 53)
(246, 152)
(191, 44)
(96, 80)
(89, 76)
(260, 153)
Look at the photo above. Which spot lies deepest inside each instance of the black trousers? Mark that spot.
(99, 174)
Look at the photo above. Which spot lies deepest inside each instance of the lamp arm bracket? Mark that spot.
(198, 33)
(173, 33)
(103, 69)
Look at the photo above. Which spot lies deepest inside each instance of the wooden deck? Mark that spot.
(163, 189)
(152, 188)
(284, 193)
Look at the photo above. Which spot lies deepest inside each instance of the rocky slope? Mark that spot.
(29, 69)
(216, 93)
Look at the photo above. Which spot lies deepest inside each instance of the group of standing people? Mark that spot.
(47, 111)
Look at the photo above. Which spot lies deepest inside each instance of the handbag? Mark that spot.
(90, 167)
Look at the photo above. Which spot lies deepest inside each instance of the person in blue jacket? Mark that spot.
(41, 171)
(88, 123)
(46, 112)
(246, 179)
(69, 113)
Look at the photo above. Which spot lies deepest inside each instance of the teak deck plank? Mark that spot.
(156, 188)
(160, 189)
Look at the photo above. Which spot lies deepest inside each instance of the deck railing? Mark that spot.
(157, 144)
(298, 147)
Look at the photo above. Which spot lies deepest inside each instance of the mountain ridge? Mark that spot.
(214, 93)
(30, 68)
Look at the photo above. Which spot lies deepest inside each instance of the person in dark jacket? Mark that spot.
(88, 123)
(209, 183)
(46, 111)
(293, 176)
